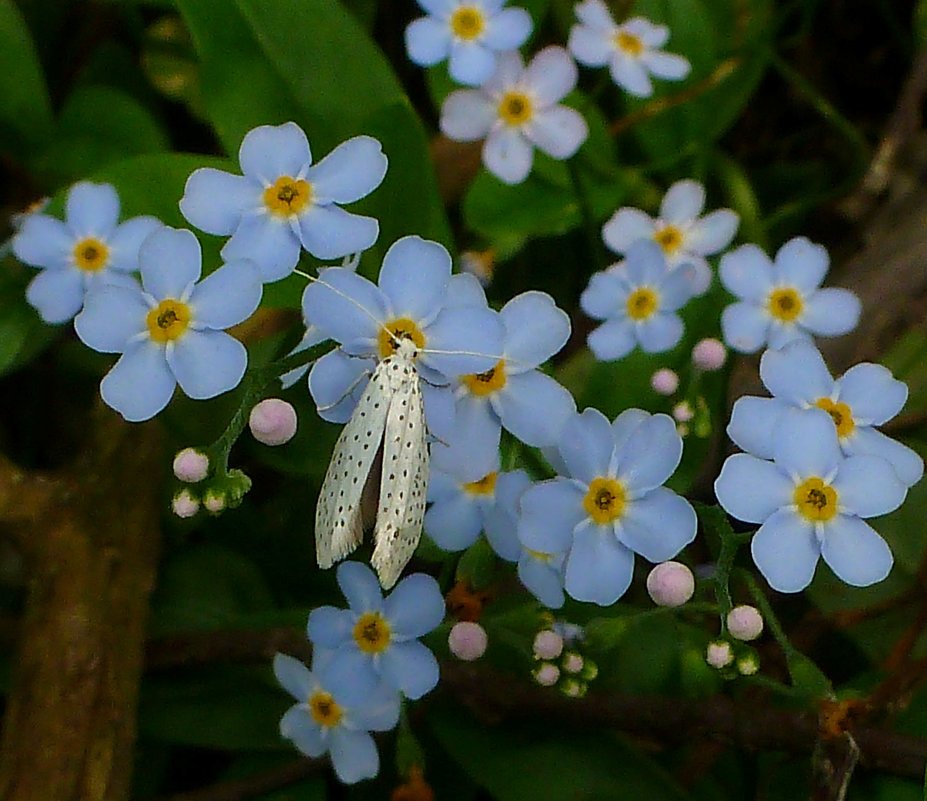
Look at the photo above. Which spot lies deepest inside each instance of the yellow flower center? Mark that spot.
(816, 501)
(841, 415)
(467, 22)
(785, 304)
(485, 486)
(515, 108)
(91, 255)
(371, 633)
(629, 43)
(605, 500)
(168, 320)
(482, 384)
(669, 238)
(287, 196)
(325, 711)
(642, 303)
(394, 330)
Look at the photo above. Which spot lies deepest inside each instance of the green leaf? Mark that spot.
(807, 677)
(477, 566)
(22, 333)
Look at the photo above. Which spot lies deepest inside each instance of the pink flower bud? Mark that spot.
(745, 622)
(748, 664)
(547, 674)
(467, 641)
(273, 421)
(184, 504)
(719, 654)
(548, 645)
(682, 412)
(214, 502)
(572, 662)
(664, 381)
(709, 354)
(670, 584)
(191, 465)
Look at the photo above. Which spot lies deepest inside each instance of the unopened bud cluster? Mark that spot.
(560, 662)
(733, 657)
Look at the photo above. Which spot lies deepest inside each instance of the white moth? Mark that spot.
(391, 412)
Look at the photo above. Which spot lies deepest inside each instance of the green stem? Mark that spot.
(589, 227)
(766, 610)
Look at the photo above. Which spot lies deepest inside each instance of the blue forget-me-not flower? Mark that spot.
(471, 32)
(88, 249)
(611, 504)
(780, 301)
(284, 201)
(376, 638)
(811, 502)
(170, 330)
(865, 396)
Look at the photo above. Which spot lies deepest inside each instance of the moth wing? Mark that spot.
(403, 485)
(338, 518)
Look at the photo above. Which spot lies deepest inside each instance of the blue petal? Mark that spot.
(599, 568)
(508, 29)
(868, 486)
(57, 295)
(625, 424)
(659, 333)
(507, 154)
(415, 607)
(542, 580)
(586, 445)
(464, 290)
(806, 443)
(630, 75)
(747, 273)
(294, 677)
(345, 306)
(428, 41)
(442, 486)
(350, 675)
(797, 374)
(378, 712)
(872, 394)
(464, 340)
(298, 726)
(207, 363)
(612, 340)
(140, 384)
(867, 441)
(330, 627)
(677, 288)
(650, 455)
(786, 551)
(855, 552)
(802, 264)
(744, 327)
(351, 171)
(415, 276)
(439, 410)
(535, 329)
(753, 424)
(170, 261)
(831, 312)
(752, 489)
(411, 668)
(683, 202)
(268, 241)
(501, 520)
(713, 232)
(330, 232)
(354, 755)
(534, 408)
(215, 201)
(473, 449)
(470, 63)
(312, 337)
(227, 296)
(626, 226)
(126, 240)
(360, 587)
(783, 334)
(550, 511)
(270, 151)
(550, 76)
(645, 263)
(111, 317)
(605, 295)
(92, 209)
(454, 523)
(336, 383)
(658, 526)
(43, 241)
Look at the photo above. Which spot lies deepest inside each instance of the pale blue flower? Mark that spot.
(811, 501)
(683, 234)
(631, 50)
(611, 504)
(329, 718)
(171, 329)
(411, 301)
(376, 639)
(471, 32)
(780, 301)
(284, 202)
(516, 110)
(638, 300)
(865, 396)
(89, 249)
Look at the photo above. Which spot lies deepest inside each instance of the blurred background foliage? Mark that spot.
(779, 118)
